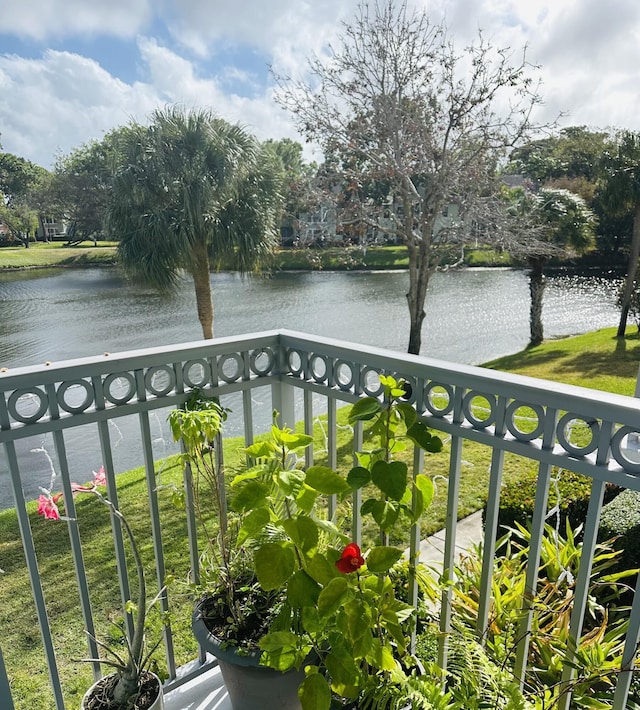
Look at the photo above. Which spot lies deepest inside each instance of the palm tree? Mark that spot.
(559, 225)
(620, 193)
(191, 191)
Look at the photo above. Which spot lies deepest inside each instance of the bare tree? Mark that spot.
(414, 127)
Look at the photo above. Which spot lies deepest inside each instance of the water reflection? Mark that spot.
(472, 316)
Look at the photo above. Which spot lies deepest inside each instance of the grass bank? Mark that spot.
(595, 359)
(332, 259)
(57, 254)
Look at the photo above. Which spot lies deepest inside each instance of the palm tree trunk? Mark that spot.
(202, 283)
(536, 288)
(632, 270)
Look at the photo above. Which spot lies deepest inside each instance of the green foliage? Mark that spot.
(598, 658)
(341, 605)
(620, 522)
(569, 495)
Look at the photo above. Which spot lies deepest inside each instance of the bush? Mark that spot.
(620, 519)
(570, 491)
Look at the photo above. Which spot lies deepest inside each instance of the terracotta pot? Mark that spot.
(91, 702)
(249, 684)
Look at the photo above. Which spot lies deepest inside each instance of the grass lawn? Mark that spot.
(595, 359)
(332, 259)
(57, 254)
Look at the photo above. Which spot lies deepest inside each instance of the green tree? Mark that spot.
(620, 192)
(396, 103)
(19, 178)
(190, 191)
(566, 228)
(80, 188)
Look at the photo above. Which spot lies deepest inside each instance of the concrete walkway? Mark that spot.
(468, 533)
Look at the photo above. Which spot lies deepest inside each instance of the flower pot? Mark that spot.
(249, 684)
(151, 696)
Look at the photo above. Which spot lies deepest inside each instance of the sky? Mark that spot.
(71, 70)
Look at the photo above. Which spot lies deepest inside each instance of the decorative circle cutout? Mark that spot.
(230, 367)
(476, 400)
(261, 361)
(196, 373)
(112, 382)
(529, 433)
(319, 368)
(294, 360)
(68, 387)
(632, 436)
(371, 384)
(21, 405)
(343, 374)
(566, 427)
(438, 398)
(159, 380)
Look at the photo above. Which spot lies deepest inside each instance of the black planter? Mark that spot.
(249, 684)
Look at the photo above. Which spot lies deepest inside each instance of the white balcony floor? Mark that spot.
(205, 692)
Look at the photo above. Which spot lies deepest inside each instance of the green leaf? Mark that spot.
(274, 563)
(390, 478)
(333, 596)
(358, 477)
(302, 590)
(295, 441)
(325, 480)
(342, 667)
(291, 481)
(280, 650)
(425, 485)
(314, 693)
(407, 412)
(253, 523)
(382, 559)
(364, 409)
(302, 531)
(260, 450)
(306, 499)
(321, 569)
(385, 513)
(420, 435)
(252, 495)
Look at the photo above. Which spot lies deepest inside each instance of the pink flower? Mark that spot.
(48, 506)
(100, 477)
(350, 560)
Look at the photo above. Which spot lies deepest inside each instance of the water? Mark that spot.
(473, 316)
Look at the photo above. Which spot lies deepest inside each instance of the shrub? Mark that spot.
(620, 520)
(569, 491)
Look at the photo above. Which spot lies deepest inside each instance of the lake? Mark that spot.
(473, 315)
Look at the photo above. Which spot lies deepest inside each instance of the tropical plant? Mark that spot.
(189, 191)
(127, 687)
(342, 619)
(598, 657)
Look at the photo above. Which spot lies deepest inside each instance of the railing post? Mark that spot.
(6, 701)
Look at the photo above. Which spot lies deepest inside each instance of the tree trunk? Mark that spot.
(202, 283)
(536, 288)
(632, 270)
(419, 273)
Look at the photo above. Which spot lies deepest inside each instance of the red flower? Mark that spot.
(350, 560)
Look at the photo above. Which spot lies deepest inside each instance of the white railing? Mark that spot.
(300, 377)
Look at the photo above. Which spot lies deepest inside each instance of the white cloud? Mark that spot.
(40, 19)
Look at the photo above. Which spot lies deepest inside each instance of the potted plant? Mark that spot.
(342, 620)
(233, 612)
(132, 684)
(284, 588)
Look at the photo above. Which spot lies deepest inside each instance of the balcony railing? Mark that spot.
(301, 377)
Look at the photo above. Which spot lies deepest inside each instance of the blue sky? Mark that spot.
(70, 70)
